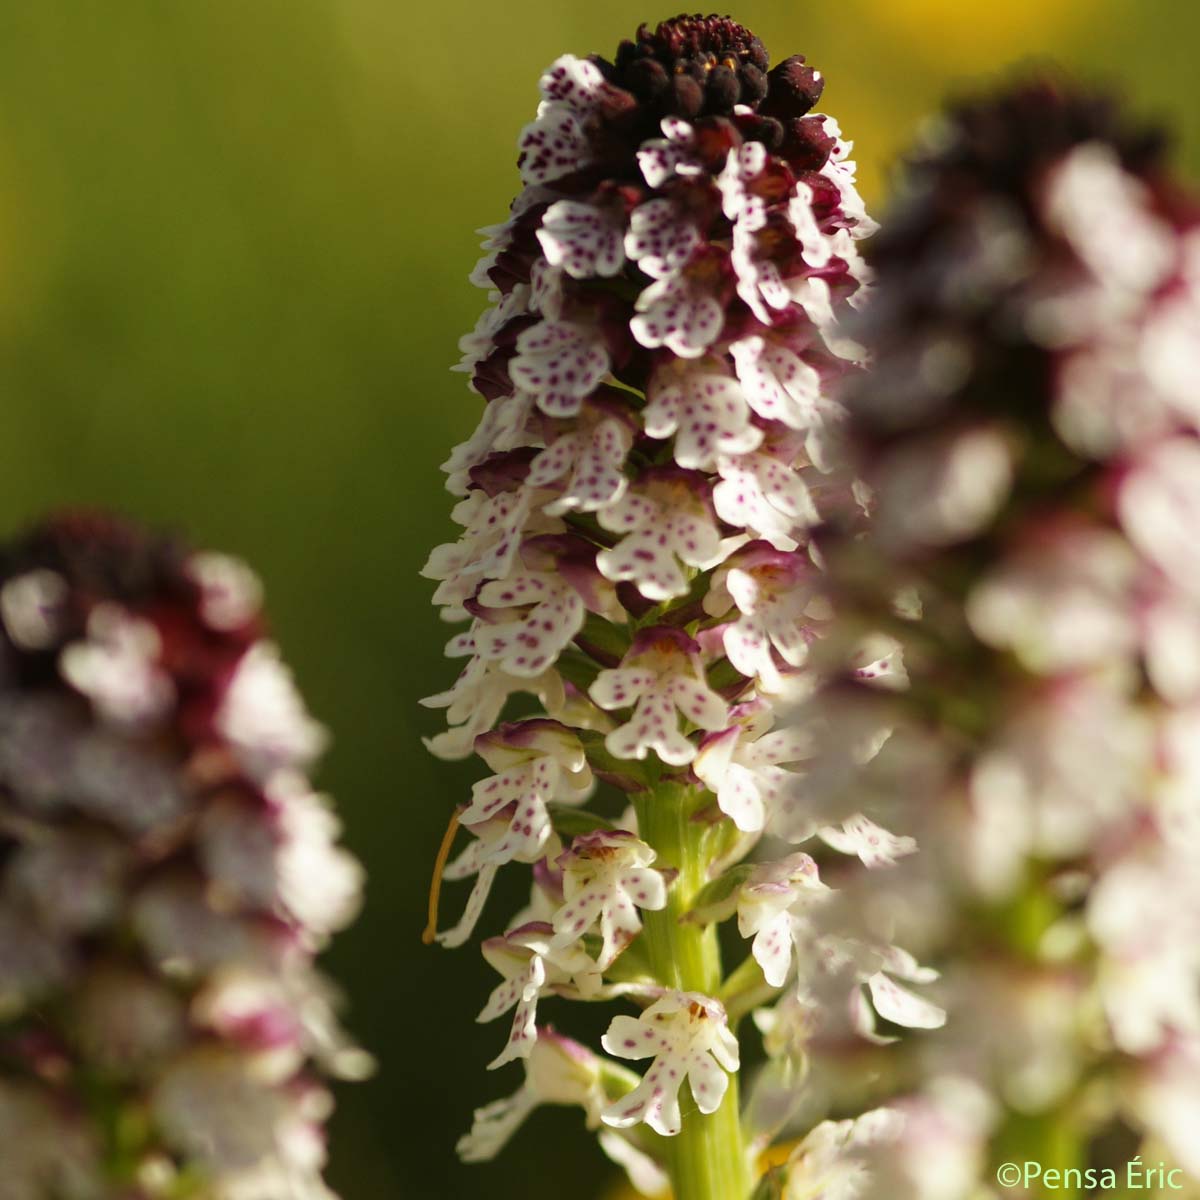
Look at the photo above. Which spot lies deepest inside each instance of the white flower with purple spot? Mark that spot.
(530, 968)
(661, 237)
(817, 247)
(773, 592)
(704, 409)
(559, 363)
(688, 1036)
(765, 493)
(746, 765)
(779, 385)
(607, 877)
(680, 313)
(771, 908)
(666, 520)
(537, 762)
(759, 281)
(744, 163)
(661, 678)
(592, 457)
(555, 144)
(840, 169)
(491, 538)
(673, 154)
(474, 703)
(585, 240)
(524, 622)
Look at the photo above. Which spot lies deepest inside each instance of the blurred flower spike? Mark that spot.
(1031, 435)
(667, 331)
(167, 876)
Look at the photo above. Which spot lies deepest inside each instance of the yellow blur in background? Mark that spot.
(234, 240)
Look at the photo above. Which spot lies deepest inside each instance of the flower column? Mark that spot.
(657, 363)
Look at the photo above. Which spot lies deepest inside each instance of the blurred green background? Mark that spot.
(234, 240)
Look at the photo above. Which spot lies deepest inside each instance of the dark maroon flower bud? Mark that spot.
(722, 90)
(647, 79)
(793, 88)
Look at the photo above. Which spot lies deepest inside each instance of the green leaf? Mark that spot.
(570, 822)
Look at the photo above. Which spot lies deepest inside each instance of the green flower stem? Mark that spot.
(707, 1159)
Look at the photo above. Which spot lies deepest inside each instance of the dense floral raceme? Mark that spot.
(166, 877)
(660, 363)
(1031, 435)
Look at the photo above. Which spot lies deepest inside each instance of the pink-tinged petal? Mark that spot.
(778, 384)
(583, 239)
(705, 411)
(573, 81)
(553, 145)
(559, 363)
(875, 846)
(708, 1082)
(772, 949)
(471, 914)
(523, 1033)
(620, 687)
(627, 1037)
(660, 238)
(901, 1006)
(699, 703)
(715, 755)
(678, 314)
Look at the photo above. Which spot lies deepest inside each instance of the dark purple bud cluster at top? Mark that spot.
(950, 276)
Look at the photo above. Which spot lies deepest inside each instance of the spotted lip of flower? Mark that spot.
(667, 519)
(529, 966)
(772, 592)
(769, 903)
(660, 678)
(747, 765)
(687, 1035)
(607, 877)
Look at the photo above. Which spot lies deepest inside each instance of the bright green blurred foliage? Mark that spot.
(234, 240)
